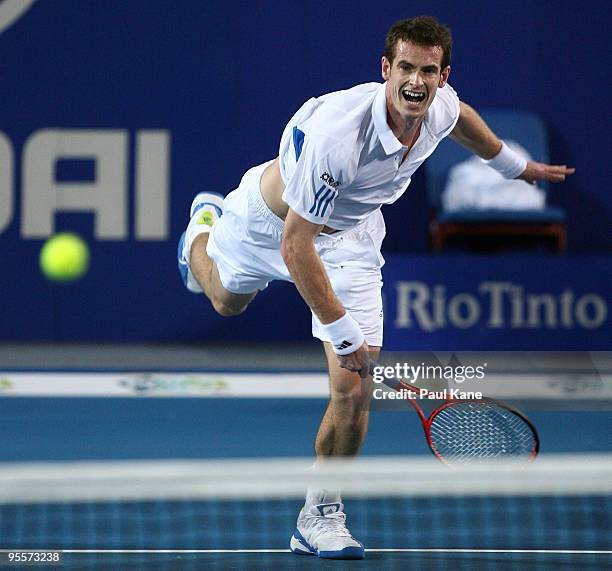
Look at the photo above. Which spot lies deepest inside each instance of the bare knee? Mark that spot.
(226, 310)
(349, 391)
(350, 395)
(346, 392)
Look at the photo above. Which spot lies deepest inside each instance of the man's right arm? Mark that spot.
(311, 280)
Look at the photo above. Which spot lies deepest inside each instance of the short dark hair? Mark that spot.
(422, 31)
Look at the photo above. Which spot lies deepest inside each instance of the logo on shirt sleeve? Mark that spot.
(325, 195)
(329, 180)
(323, 198)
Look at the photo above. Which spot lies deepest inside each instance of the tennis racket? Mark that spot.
(468, 431)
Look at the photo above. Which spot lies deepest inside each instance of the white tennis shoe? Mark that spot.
(206, 209)
(321, 531)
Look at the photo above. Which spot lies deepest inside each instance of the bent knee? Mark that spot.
(226, 310)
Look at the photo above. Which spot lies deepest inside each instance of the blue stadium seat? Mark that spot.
(529, 131)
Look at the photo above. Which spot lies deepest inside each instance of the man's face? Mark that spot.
(413, 78)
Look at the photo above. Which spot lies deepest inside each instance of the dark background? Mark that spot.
(224, 78)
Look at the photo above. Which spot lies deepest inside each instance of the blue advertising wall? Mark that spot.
(114, 114)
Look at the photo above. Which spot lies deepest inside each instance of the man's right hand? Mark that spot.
(357, 361)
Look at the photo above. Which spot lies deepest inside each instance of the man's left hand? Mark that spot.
(541, 171)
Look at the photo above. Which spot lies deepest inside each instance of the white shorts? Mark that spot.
(245, 245)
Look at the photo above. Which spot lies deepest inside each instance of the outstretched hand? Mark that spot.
(541, 171)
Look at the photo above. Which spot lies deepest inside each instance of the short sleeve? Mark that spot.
(319, 174)
(444, 111)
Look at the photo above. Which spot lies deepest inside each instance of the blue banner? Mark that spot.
(115, 114)
(498, 303)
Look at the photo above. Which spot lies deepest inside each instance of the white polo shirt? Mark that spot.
(340, 161)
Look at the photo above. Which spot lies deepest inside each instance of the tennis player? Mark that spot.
(313, 216)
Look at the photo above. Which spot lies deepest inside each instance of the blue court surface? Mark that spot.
(151, 422)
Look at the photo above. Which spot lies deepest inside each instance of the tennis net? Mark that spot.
(559, 502)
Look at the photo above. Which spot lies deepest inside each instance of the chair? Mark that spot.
(547, 224)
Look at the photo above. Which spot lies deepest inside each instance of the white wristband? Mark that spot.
(507, 163)
(345, 335)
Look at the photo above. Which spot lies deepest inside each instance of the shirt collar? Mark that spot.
(379, 114)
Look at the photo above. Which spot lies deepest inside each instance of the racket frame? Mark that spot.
(400, 384)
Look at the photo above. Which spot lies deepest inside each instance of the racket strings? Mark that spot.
(466, 432)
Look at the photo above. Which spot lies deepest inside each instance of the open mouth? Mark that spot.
(413, 96)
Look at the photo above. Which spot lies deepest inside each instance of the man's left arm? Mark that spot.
(475, 135)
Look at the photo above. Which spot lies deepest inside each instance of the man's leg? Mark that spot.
(321, 526)
(205, 272)
(196, 265)
(345, 423)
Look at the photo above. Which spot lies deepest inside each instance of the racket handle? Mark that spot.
(393, 383)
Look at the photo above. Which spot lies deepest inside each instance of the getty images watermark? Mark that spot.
(432, 375)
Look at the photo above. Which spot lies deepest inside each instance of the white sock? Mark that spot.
(316, 496)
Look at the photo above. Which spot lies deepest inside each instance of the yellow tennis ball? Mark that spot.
(64, 257)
